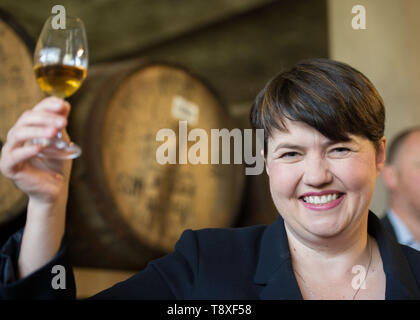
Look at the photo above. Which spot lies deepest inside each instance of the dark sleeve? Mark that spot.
(171, 277)
(39, 284)
(413, 257)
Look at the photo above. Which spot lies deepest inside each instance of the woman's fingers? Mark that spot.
(41, 122)
(9, 164)
(17, 136)
(55, 105)
(38, 177)
(46, 119)
(41, 118)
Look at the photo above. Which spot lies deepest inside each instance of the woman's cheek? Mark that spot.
(283, 180)
(356, 174)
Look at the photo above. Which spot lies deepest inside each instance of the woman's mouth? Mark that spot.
(322, 202)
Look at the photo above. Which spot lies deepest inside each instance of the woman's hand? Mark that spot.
(43, 180)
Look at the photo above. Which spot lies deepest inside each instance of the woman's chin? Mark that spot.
(325, 229)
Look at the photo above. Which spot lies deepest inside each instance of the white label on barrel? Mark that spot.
(183, 109)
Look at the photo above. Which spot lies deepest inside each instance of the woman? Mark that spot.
(324, 149)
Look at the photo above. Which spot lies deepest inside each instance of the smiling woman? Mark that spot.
(324, 125)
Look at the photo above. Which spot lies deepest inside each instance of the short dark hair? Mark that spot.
(397, 142)
(330, 96)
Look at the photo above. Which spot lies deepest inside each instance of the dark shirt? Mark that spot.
(233, 263)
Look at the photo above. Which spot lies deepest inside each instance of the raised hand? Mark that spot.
(42, 179)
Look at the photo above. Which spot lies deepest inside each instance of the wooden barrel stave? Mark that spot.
(141, 205)
(19, 91)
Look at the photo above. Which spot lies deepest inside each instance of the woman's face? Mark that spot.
(319, 187)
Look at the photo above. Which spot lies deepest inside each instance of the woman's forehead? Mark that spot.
(302, 133)
(296, 129)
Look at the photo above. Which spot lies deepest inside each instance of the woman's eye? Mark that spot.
(341, 150)
(289, 155)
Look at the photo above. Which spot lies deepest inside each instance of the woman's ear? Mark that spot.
(381, 156)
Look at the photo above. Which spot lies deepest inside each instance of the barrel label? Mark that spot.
(183, 109)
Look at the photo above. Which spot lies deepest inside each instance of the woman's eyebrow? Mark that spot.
(288, 146)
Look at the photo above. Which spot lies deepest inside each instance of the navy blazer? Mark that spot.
(388, 225)
(236, 263)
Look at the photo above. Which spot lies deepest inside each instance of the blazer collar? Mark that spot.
(274, 269)
(400, 280)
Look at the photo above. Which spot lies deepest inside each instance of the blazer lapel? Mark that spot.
(388, 226)
(275, 274)
(400, 280)
(274, 269)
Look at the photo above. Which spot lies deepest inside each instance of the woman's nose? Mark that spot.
(317, 173)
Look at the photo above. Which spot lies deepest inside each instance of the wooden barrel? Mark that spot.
(120, 195)
(19, 91)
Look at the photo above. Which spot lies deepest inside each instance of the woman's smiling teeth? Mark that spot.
(322, 199)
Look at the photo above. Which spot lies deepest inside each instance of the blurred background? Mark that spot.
(223, 52)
